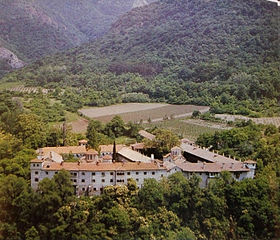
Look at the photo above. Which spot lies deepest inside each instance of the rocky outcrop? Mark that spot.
(139, 3)
(12, 60)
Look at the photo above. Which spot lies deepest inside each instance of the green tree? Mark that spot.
(32, 234)
(115, 128)
(151, 195)
(31, 130)
(165, 139)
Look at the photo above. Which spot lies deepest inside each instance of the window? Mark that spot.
(93, 174)
(111, 173)
(128, 173)
(111, 180)
(55, 173)
(137, 180)
(103, 180)
(36, 172)
(120, 173)
(145, 173)
(34, 165)
(137, 173)
(83, 180)
(161, 175)
(74, 180)
(36, 179)
(37, 165)
(153, 173)
(94, 189)
(93, 180)
(103, 174)
(120, 180)
(83, 189)
(83, 173)
(47, 173)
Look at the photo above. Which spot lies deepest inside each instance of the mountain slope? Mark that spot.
(37, 28)
(202, 52)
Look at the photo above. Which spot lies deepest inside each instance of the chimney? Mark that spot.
(79, 163)
(231, 165)
(223, 165)
(203, 167)
(152, 157)
(61, 163)
(138, 162)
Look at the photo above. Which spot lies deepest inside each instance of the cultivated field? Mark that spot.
(203, 123)
(137, 112)
(264, 120)
(185, 128)
(79, 126)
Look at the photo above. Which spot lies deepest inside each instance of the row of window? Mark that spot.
(102, 174)
(103, 180)
(111, 173)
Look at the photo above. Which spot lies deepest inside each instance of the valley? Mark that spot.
(139, 119)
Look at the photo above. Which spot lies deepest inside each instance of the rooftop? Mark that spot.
(117, 166)
(146, 134)
(133, 156)
(250, 161)
(52, 156)
(91, 151)
(107, 157)
(138, 146)
(109, 148)
(36, 160)
(206, 154)
(212, 167)
(63, 150)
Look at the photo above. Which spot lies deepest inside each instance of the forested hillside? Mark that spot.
(219, 53)
(37, 28)
(173, 208)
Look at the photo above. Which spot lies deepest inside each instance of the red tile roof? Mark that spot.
(212, 167)
(137, 146)
(36, 160)
(64, 150)
(250, 161)
(109, 148)
(91, 151)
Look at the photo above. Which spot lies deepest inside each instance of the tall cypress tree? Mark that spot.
(114, 151)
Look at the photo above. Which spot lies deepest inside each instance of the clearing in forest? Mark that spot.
(137, 112)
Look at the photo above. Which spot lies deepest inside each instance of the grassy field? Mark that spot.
(137, 112)
(183, 128)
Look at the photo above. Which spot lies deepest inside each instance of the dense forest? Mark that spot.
(174, 208)
(219, 53)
